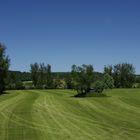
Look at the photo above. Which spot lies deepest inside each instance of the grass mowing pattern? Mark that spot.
(57, 115)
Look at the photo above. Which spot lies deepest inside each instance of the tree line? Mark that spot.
(81, 78)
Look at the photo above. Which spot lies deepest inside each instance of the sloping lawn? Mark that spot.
(57, 115)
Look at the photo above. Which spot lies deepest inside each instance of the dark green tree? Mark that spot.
(41, 75)
(108, 81)
(4, 66)
(49, 77)
(108, 70)
(42, 79)
(99, 86)
(14, 81)
(124, 75)
(69, 82)
(35, 73)
(82, 77)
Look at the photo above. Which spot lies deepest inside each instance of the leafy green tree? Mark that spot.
(82, 78)
(69, 82)
(99, 87)
(14, 81)
(41, 75)
(35, 73)
(49, 77)
(108, 81)
(124, 75)
(4, 66)
(108, 70)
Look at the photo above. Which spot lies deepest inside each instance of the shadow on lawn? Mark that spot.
(91, 95)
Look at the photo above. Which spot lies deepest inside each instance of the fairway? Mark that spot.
(57, 115)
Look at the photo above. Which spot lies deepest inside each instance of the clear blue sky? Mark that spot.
(66, 32)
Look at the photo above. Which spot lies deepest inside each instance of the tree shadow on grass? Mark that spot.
(91, 95)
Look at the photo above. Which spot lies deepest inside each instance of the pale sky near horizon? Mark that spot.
(66, 32)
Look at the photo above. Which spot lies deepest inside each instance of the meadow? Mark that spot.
(58, 115)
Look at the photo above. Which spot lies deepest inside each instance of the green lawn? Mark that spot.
(57, 115)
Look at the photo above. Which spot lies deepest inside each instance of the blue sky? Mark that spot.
(66, 32)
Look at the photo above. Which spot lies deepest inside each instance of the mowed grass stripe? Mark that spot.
(9, 102)
(20, 107)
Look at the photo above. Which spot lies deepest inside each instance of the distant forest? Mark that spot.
(26, 76)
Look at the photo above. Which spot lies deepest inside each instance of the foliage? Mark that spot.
(28, 85)
(41, 75)
(82, 78)
(108, 70)
(138, 85)
(14, 81)
(4, 66)
(49, 77)
(69, 82)
(123, 75)
(59, 84)
(137, 79)
(108, 81)
(34, 73)
(99, 87)
(19, 85)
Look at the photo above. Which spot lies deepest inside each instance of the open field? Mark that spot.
(57, 115)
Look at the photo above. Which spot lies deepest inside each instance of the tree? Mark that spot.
(108, 81)
(34, 73)
(41, 75)
(99, 87)
(42, 79)
(69, 82)
(14, 81)
(4, 66)
(108, 70)
(49, 77)
(124, 75)
(82, 78)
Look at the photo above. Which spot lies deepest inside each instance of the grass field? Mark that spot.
(57, 115)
